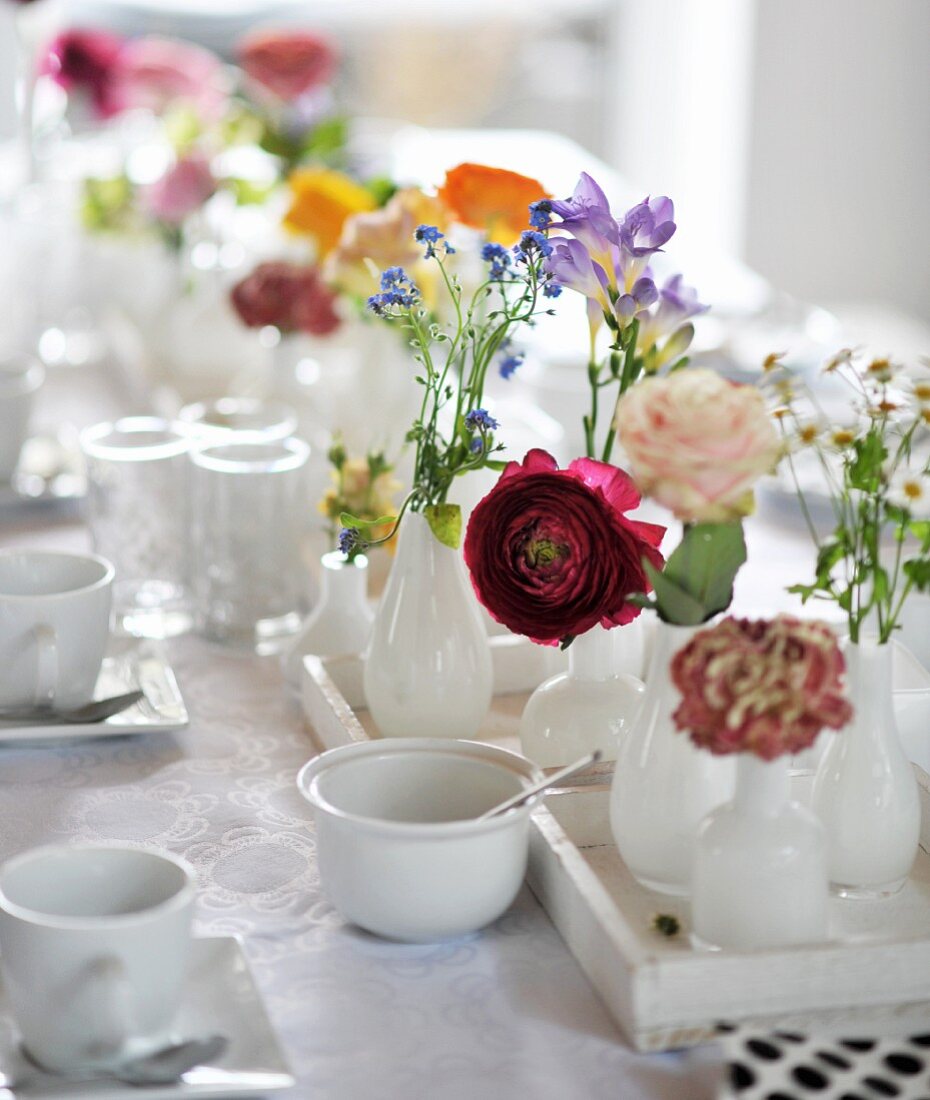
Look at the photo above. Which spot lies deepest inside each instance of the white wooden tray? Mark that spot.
(663, 993)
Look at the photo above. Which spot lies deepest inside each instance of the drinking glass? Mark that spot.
(247, 500)
(245, 417)
(137, 473)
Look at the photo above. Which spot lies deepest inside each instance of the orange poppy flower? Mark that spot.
(322, 201)
(491, 199)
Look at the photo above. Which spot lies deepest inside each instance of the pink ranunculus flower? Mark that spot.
(288, 63)
(767, 687)
(184, 188)
(552, 552)
(157, 73)
(697, 443)
(86, 61)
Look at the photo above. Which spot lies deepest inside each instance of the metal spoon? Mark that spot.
(87, 714)
(550, 781)
(164, 1066)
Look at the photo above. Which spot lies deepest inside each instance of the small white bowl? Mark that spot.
(399, 849)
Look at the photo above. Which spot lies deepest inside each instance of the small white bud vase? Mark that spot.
(865, 792)
(428, 669)
(760, 866)
(663, 786)
(589, 707)
(342, 619)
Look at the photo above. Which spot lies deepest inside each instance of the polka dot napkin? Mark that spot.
(783, 1065)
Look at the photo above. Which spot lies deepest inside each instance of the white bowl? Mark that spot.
(399, 849)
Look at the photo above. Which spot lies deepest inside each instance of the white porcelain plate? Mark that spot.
(161, 711)
(221, 997)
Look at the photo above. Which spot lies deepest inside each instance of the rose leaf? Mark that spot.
(445, 521)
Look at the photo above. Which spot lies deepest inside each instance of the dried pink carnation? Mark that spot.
(767, 686)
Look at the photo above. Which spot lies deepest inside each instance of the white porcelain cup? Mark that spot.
(54, 626)
(93, 947)
(400, 850)
(20, 378)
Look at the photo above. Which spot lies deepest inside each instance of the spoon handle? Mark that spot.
(550, 781)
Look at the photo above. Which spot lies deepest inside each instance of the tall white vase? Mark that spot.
(663, 786)
(760, 866)
(589, 707)
(342, 619)
(865, 791)
(428, 670)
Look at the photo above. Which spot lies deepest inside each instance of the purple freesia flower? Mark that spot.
(642, 295)
(570, 265)
(647, 226)
(678, 303)
(586, 215)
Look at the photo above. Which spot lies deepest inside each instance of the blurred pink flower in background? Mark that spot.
(156, 73)
(87, 62)
(183, 189)
(288, 63)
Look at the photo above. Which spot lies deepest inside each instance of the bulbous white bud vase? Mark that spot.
(428, 668)
(591, 706)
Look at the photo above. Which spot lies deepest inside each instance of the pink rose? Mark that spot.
(288, 63)
(86, 61)
(552, 552)
(156, 73)
(697, 443)
(290, 297)
(183, 189)
(767, 687)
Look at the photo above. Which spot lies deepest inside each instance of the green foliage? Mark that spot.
(697, 582)
(445, 521)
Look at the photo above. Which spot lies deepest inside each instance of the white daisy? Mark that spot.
(910, 489)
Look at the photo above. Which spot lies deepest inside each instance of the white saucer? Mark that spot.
(221, 997)
(161, 711)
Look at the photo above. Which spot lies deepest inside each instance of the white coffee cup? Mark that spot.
(93, 947)
(54, 626)
(20, 378)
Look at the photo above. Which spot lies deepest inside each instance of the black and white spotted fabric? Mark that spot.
(784, 1065)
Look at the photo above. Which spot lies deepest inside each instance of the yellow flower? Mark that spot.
(881, 369)
(773, 360)
(842, 437)
(808, 434)
(322, 201)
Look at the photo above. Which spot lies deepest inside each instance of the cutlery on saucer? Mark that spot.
(97, 711)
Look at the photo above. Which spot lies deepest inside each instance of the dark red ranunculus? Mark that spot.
(552, 552)
(88, 61)
(288, 63)
(289, 296)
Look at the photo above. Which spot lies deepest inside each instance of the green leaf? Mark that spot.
(348, 520)
(674, 603)
(697, 581)
(918, 571)
(445, 521)
(496, 464)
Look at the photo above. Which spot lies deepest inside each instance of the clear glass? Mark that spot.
(137, 473)
(243, 417)
(247, 501)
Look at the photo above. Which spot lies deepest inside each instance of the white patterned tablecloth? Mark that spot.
(502, 1014)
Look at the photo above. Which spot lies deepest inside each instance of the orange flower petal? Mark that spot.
(492, 199)
(322, 202)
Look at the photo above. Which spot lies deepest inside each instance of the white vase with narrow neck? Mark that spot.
(428, 669)
(589, 707)
(663, 786)
(865, 791)
(342, 619)
(759, 878)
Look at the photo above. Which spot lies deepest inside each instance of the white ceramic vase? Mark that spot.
(591, 706)
(760, 866)
(865, 791)
(342, 619)
(663, 786)
(428, 668)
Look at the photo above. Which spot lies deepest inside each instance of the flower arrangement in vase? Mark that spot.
(428, 669)
(606, 260)
(876, 470)
(697, 444)
(759, 690)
